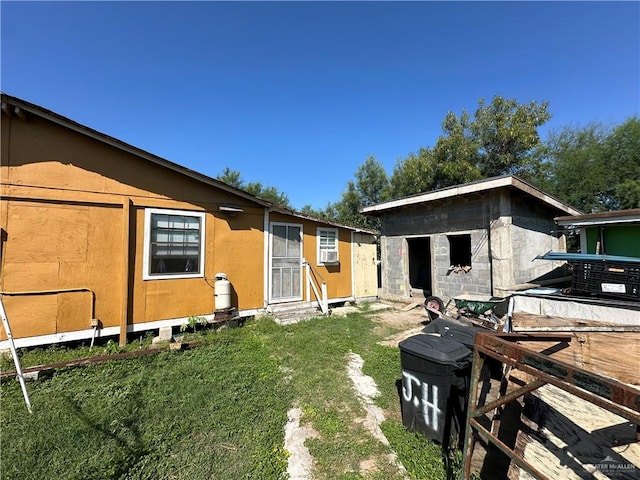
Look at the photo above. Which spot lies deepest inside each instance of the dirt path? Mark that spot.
(300, 463)
(366, 390)
(411, 322)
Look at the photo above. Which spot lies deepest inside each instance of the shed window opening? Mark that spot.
(460, 250)
(175, 242)
(327, 245)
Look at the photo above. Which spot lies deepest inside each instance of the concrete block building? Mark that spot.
(478, 238)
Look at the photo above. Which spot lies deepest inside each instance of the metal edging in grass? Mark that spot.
(80, 362)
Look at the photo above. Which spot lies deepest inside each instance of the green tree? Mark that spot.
(370, 186)
(622, 156)
(414, 174)
(231, 177)
(593, 168)
(572, 167)
(271, 194)
(506, 134)
(501, 138)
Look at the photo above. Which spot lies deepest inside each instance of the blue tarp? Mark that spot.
(587, 257)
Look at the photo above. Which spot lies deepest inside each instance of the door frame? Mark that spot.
(300, 297)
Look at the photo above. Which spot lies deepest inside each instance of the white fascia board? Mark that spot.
(60, 337)
(468, 188)
(591, 223)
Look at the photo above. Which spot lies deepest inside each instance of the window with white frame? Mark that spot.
(173, 244)
(327, 245)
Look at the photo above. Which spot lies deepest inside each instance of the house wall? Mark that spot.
(437, 220)
(507, 230)
(618, 239)
(533, 233)
(337, 277)
(72, 215)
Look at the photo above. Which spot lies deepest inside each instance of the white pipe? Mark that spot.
(14, 353)
(93, 337)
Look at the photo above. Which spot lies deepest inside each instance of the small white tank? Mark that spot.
(222, 292)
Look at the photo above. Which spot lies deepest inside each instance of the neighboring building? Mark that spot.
(94, 228)
(476, 238)
(607, 233)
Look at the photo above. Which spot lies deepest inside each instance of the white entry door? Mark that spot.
(286, 262)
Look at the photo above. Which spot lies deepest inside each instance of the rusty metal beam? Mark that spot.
(510, 397)
(608, 393)
(521, 462)
(469, 437)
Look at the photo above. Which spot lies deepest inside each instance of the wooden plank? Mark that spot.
(412, 305)
(57, 196)
(530, 322)
(66, 233)
(566, 437)
(31, 315)
(75, 310)
(612, 354)
(540, 283)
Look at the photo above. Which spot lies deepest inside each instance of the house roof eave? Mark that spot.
(20, 106)
(600, 218)
(125, 147)
(507, 181)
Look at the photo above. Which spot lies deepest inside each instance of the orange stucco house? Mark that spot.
(94, 228)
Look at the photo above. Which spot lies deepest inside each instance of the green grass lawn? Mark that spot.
(214, 412)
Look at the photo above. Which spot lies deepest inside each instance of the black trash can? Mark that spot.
(453, 330)
(436, 373)
(465, 333)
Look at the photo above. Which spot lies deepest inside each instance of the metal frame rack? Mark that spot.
(540, 369)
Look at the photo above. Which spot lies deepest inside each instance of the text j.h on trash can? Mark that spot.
(435, 380)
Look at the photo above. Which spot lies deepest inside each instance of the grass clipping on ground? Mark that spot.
(218, 411)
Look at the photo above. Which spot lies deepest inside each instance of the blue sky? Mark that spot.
(297, 95)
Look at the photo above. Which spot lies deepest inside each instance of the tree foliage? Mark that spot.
(414, 174)
(231, 177)
(501, 138)
(506, 134)
(370, 186)
(622, 155)
(271, 194)
(571, 167)
(593, 168)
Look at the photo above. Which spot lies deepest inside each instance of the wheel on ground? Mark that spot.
(433, 303)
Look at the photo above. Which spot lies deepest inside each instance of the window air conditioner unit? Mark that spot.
(328, 256)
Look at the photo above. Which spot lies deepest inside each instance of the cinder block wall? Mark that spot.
(437, 220)
(448, 283)
(394, 275)
(508, 230)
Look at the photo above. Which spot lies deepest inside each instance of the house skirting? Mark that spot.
(108, 331)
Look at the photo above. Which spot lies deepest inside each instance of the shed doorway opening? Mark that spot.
(420, 264)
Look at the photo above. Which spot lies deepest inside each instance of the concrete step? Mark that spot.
(288, 313)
